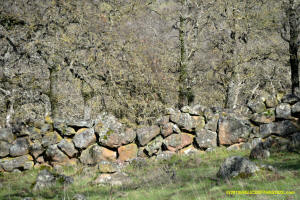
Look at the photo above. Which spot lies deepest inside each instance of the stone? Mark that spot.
(176, 129)
(142, 152)
(199, 122)
(107, 167)
(60, 126)
(257, 106)
(45, 179)
(55, 155)
(115, 179)
(212, 123)
(294, 144)
(271, 101)
(127, 152)
(84, 138)
(35, 134)
(6, 135)
(40, 159)
(154, 146)
(176, 142)
(236, 166)
(198, 110)
(36, 149)
(4, 148)
(19, 147)
(296, 109)
(189, 150)
(146, 134)
(46, 128)
(282, 128)
(96, 153)
(79, 197)
(183, 120)
(24, 162)
(265, 117)
(67, 147)
(283, 111)
(167, 129)
(206, 138)
(51, 138)
(233, 130)
(290, 99)
(165, 155)
(259, 152)
(163, 120)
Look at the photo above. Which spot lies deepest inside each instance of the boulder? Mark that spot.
(176, 129)
(260, 151)
(19, 147)
(146, 134)
(55, 155)
(45, 179)
(189, 150)
(36, 149)
(51, 138)
(236, 166)
(265, 117)
(67, 147)
(127, 152)
(96, 153)
(35, 134)
(296, 109)
(294, 144)
(163, 120)
(115, 179)
(283, 111)
(271, 101)
(154, 146)
(84, 138)
(107, 167)
(4, 148)
(167, 129)
(290, 99)
(212, 123)
(233, 130)
(206, 138)
(176, 142)
(183, 120)
(257, 105)
(199, 122)
(22, 162)
(282, 128)
(6, 135)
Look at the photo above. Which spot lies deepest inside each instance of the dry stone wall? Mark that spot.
(106, 142)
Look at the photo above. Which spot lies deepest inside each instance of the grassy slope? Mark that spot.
(194, 179)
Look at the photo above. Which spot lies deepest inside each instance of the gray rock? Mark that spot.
(198, 110)
(290, 99)
(283, 111)
(55, 155)
(6, 135)
(212, 123)
(271, 101)
(183, 120)
(265, 117)
(256, 106)
(79, 197)
(236, 166)
(80, 123)
(154, 146)
(260, 151)
(294, 144)
(206, 138)
(105, 166)
(44, 180)
(61, 126)
(296, 109)
(20, 147)
(4, 148)
(282, 128)
(9, 164)
(46, 128)
(167, 129)
(67, 147)
(36, 149)
(165, 155)
(84, 138)
(176, 129)
(163, 120)
(50, 138)
(146, 134)
(233, 130)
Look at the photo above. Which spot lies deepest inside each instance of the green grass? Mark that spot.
(181, 177)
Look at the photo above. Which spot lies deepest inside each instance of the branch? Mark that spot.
(284, 36)
(5, 92)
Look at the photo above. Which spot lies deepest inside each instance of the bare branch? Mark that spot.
(283, 36)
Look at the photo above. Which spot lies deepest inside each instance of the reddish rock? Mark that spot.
(178, 141)
(146, 134)
(96, 153)
(128, 152)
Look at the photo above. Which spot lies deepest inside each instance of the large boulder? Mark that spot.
(176, 142)
(22, 162)
(6, 135)
(127, 152)
(212, 122)
(84, 138)
(112, 133)
(283, 111)
(233, 130)
(154, 146)
(281, 128)
(67, 147)
(96, 153)
(20, 147)
(56, 155)
(236, 166)
(206, 138)
(146, 134)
